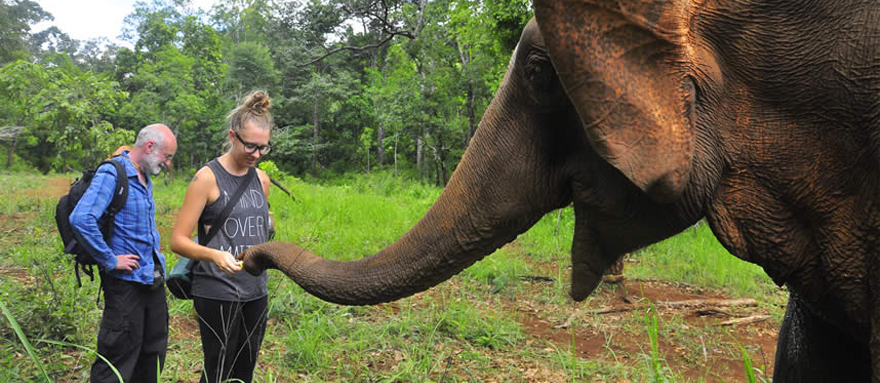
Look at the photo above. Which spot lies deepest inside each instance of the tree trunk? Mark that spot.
(465, 58)
(471, 114)
(437, 149)
(420, 144)
(380, 137)
(11, 151)
(380, 130)
(316, 137)
(441, 159)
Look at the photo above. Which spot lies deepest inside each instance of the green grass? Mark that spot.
(695, 257)
(467, 329)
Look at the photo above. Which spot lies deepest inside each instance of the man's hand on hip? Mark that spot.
(127, 262)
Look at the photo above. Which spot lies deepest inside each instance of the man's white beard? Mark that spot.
(152, 163)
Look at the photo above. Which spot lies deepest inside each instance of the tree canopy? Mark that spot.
(355, 84)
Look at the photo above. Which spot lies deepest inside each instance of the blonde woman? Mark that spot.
(231, 305)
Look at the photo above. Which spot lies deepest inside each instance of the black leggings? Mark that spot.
(231, 336)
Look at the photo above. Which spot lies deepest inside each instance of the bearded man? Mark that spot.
(134, 327)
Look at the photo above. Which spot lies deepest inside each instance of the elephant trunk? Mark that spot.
(496, 193)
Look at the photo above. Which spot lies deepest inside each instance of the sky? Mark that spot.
(83, 20)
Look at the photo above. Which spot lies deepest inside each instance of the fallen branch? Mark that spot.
(712, 312)
(682, 304)
(536, 278)
(748, 302)
(746, 320)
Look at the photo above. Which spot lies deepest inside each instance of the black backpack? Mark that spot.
(83, 259)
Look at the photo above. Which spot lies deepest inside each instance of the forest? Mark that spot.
(356, 85)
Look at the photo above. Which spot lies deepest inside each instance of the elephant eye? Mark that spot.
(544, 87)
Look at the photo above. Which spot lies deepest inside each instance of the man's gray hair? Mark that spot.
(150, 132)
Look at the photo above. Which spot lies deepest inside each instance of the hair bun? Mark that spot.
(258, 103)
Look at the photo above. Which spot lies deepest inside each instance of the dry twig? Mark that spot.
(670, 305)
(745, 320)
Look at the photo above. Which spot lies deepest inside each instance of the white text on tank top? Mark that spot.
(246, 226)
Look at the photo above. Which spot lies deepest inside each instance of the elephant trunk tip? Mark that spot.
(257, 259)
(582, 286)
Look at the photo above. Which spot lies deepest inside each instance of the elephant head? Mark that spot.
(772, 110)
(761, 115)
(530, 155)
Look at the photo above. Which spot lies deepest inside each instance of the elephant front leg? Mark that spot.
(811, 350)
(588, 262)
(875, 322)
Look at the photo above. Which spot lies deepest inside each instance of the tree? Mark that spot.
(468, 30)
(16, 16)
(250, 68)
(396, 97)
(506, 20)
(174, 75)
(63, 114)
(366, 141)
(242, 21)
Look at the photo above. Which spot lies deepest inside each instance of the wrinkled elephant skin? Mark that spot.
(647, 115)
(783, 99)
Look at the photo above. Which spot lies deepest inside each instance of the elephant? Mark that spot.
(761, 117)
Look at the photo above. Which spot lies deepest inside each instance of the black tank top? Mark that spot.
(246, 226)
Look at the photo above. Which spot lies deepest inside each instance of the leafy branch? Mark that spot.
(377, 10)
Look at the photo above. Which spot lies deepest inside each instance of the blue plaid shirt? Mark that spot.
(134, 227)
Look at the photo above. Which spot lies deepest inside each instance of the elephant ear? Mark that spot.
(622, 64)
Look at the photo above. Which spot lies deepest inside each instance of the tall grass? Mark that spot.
(461, 330)
(24, 340)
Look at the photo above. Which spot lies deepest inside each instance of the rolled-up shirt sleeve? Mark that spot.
(92, 205)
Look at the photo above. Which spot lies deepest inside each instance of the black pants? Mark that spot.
(232, 333)
(133, 334)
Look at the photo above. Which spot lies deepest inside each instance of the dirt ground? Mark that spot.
(619, 332)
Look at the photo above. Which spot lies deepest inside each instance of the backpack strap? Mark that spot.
(215, 228)
(120, 196)
(120, 193)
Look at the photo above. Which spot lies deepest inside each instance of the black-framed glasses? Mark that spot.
(250, 148)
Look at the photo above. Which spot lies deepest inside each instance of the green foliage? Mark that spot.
(174, 74)
(272, 170)
(16, 16)
(421, 96)
(24, 339)
(62, 111)
(695, 256)
(18, 164)
(43, 308)
(656, 364)
(508, 18)
(251, 68)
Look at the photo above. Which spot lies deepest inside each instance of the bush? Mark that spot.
(44, 310)
(19, 165)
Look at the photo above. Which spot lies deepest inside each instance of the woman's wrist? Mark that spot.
(217, 256)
